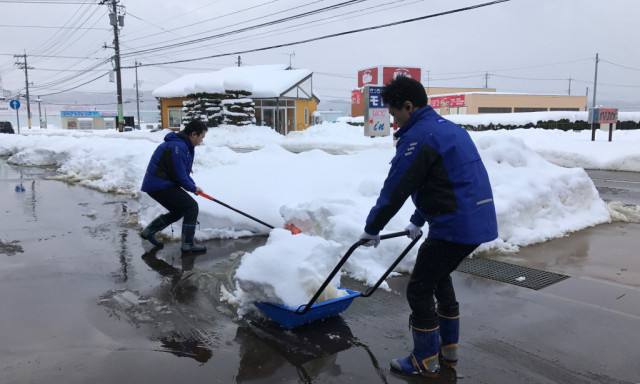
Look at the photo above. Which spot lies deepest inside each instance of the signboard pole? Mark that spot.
(610, 131)
(15, 104)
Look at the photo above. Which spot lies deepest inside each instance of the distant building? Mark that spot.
(88, 120)
(318, 117)
(472, 101)
(284, 98)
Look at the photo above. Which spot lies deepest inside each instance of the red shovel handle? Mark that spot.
(205, 196)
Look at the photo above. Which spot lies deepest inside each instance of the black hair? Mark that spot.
(196, 126)
(402, 89)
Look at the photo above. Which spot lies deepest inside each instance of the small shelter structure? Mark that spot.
(283, 98)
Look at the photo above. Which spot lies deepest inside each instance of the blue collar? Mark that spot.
(414, 116)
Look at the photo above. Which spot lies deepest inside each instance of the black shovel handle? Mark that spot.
(234, 209)
(305, 307)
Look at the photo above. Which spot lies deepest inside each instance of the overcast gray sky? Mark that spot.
(531, 46)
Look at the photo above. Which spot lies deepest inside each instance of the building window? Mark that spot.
(175, 118)
(306, 116)
(85, 124)
(109, 123)
(565, 109)
(494, 109)
(520, 109)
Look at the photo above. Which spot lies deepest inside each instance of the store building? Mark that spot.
(447, 100)
(284, 98)
(88, 120)
(473, 103)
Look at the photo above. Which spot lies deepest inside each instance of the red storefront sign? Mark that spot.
(356, 97)
(452, 101)
(368, 76)
(607, 116)
(390, 73)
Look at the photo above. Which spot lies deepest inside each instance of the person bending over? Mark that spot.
(168, 180)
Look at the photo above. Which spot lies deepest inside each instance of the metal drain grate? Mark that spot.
(509, 273)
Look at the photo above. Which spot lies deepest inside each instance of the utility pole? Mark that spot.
(595, 82)
(486, 80)
(116, 20)
(26, 82)
(428, 77)
(569, 85)
(137, 94)
(39, 112)
(239, 62)
(586, 107)
(595, 85)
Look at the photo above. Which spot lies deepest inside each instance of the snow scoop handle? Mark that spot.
(233, 209)
(370, 291)
(305, 307)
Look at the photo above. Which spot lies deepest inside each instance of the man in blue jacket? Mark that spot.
(438, 165)
(168, 178)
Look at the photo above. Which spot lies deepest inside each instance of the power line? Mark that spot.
(528, 78)
(48, 27)
(619, 65)
(63, 34)
(57, 57)
(64, 2)
(270, 23)
(73, 76)
(334, 34)
(77, 86)
(306, 25)
(204, 21)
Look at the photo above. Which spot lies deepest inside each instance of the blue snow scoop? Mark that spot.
(289, 317)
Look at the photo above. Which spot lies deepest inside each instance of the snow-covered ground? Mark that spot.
(325, 180)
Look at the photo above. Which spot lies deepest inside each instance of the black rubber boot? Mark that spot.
(188, 244)
(149, 232)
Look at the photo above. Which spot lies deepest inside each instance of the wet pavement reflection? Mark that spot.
(86, 300)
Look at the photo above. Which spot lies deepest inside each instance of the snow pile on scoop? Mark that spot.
(290, 269)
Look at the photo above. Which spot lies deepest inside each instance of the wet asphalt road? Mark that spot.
(84, 300)
(617, 186)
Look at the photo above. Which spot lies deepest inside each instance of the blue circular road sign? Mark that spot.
(14, 104)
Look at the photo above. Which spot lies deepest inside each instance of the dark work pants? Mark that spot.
(179, 204)
(432, 277)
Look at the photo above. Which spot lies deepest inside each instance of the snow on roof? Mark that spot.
(264, 81)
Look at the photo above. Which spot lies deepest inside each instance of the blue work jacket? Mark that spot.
(170, 165)
(438, 165)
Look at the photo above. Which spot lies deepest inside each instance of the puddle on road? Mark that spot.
(184, 311)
